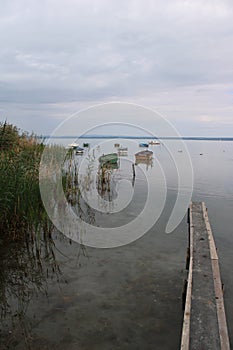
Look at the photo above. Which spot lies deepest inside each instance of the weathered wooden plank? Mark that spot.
(186, 320)
(203, 322)
(222, 323)
(213, 250)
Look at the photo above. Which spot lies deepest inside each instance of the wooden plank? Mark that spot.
(203, 322)
(186, 320)
(213, 250)
(223, 331)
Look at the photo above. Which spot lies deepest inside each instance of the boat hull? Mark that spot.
(111, 158)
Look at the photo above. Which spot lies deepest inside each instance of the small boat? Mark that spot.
(111, 158)
(122, 151)
(117, 145)
(79, 150)
(86, 144)
(144, 155)
(143, 144)
(154, 142)
(73, 145)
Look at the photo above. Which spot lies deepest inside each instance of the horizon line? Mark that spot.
(207, 138)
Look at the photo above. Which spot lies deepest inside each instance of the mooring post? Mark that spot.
(133, 167)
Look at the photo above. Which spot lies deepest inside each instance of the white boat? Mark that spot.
(79, 150)
(73, 145)
(154, 142)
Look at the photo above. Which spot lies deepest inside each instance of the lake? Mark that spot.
(130, 296)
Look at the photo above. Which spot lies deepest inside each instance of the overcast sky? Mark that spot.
(59, 56)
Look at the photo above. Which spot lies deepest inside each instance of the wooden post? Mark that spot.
(133, 167)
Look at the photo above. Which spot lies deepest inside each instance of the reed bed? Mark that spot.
(27, 248)
(28, 255)
(21, 208)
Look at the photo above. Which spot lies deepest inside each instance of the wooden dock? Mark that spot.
(204, 323)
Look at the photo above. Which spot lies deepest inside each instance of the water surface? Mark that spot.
(128, 297)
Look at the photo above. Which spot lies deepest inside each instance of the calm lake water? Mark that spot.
(128, 297)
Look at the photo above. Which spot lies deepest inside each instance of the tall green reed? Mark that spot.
(21, 208)
(27, 248)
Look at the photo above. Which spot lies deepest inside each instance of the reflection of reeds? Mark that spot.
(76, 186)
(24, 270)
(106, 183)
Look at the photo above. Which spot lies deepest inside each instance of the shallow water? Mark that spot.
(129, 297)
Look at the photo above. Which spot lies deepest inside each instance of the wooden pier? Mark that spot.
(204, 323)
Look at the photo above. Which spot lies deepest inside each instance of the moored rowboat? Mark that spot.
(143, 144)
(144, 154)
(111, 158)
(154, 142)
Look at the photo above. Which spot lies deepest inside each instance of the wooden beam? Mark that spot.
(222, 323)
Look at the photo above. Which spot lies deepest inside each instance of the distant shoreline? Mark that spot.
(191, 138)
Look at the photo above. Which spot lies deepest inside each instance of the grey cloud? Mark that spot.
(92, 51)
